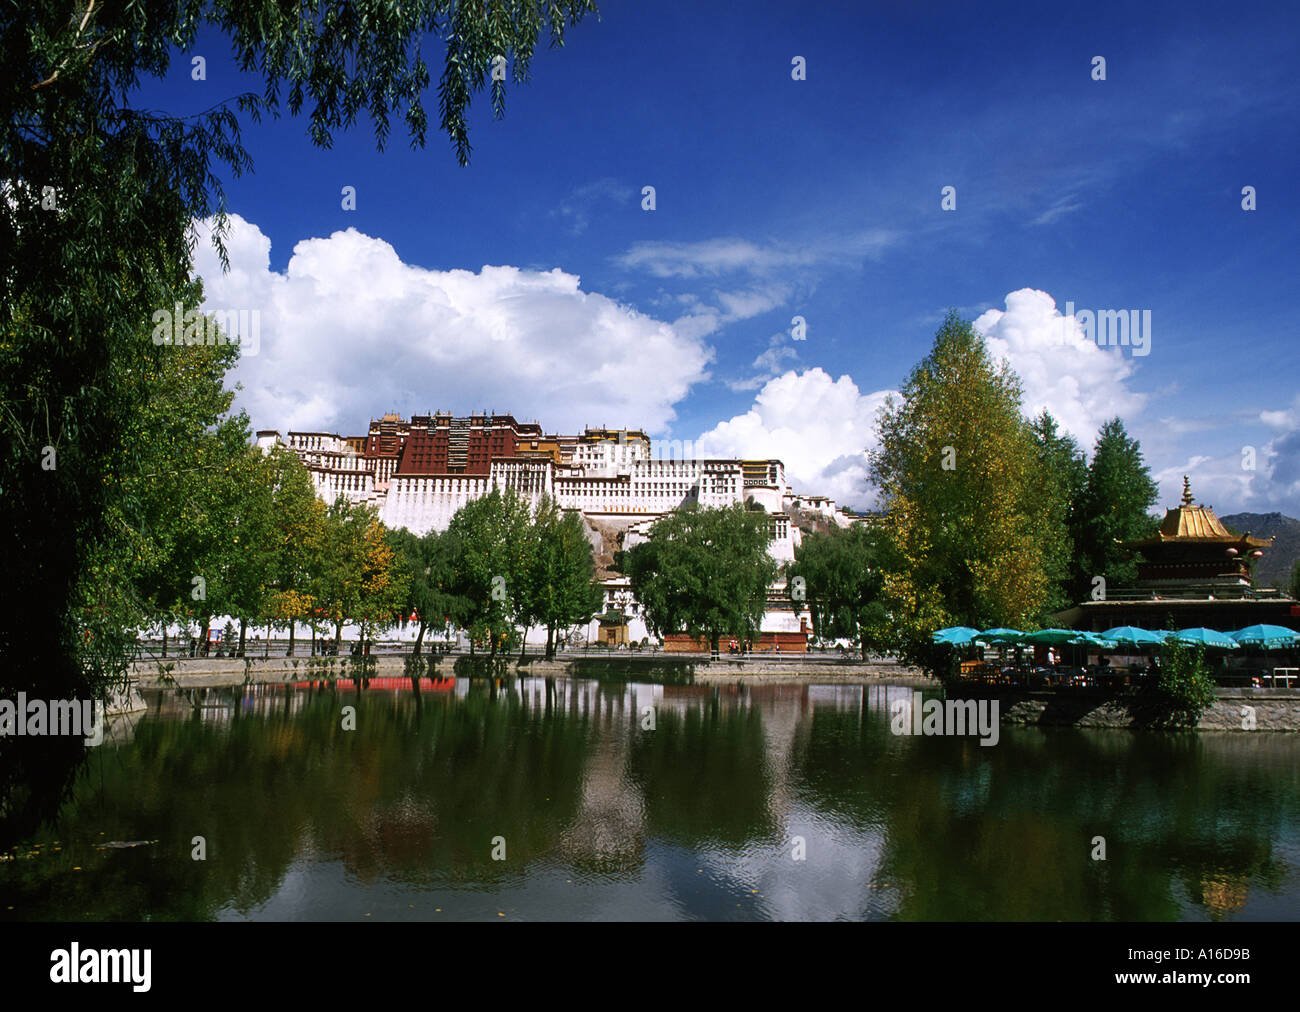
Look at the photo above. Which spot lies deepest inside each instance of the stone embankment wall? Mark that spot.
(188, 672)
(1273, 710)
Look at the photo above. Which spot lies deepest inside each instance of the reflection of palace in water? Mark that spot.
(609, 830)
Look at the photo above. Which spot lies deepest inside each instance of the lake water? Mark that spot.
(536, 800)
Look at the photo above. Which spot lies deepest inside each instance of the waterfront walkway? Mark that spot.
(187, 672)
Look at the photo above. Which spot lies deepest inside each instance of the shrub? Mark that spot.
(1185, 679)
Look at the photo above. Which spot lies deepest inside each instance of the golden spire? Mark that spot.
(1187, 492)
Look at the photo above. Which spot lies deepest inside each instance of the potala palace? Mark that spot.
(418, 473)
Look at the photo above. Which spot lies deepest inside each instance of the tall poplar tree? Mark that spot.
(295, 546)
(956, 469)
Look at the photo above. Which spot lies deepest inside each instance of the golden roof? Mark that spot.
(1193, 522)
(1190, 521)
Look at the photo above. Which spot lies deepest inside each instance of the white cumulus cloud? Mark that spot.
(349, 331)
(818, 426)
(821, 427)
(1081, 384)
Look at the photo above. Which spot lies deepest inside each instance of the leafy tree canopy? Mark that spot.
(956, 468)
(96, 215)
(704, 572)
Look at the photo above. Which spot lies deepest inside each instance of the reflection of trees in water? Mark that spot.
(414, 794)
(1006, 832)
(419, 790)
(704, 775)
(845, 766)
(36, 778)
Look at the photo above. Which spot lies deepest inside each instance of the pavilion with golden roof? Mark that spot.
(1192, 572)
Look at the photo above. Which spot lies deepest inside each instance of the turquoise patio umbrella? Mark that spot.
(1207, 638)
(1002, 636)
(1269, 637)
(1052, 637)
(1131, 635)
(955, 636)
(1092, 639)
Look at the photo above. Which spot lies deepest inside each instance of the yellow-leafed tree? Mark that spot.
(956, 469)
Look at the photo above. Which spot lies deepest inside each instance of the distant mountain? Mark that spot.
(1275, 567)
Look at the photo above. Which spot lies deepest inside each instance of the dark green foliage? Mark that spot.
(704, 572)
(1061, 477)
(430, 566)
(561, 588)
(1185, 679)
(1113, 508)
(842, 583)
(496, 549)
(95, 236)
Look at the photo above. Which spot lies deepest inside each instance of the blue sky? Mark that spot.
(819, 198)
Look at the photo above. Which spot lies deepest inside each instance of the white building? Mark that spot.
(419, 474)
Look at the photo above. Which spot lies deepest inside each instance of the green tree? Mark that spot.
(175, 449)
(95, 218)
(337, 586)
(704, 572)
(249, 550)
(956, 470)
(562, 587)
(383, 582)
(220, 537)
(842, 582)
(1114, 508)
(294, 540)
(1060, 476)
(430, 562)
(496, 546)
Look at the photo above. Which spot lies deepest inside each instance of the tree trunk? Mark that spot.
(164, 641)
(550, 642)
(293, 627)
(523, 644)
(243, 625)
(203, 636)
(267, 651)
(713, 647)
(419, 639)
